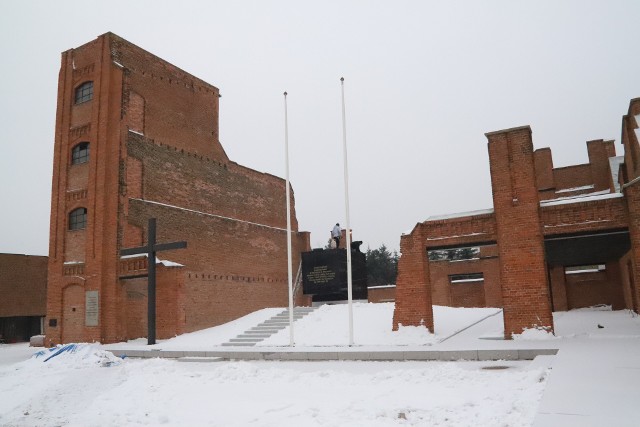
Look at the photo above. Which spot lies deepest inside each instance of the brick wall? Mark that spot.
(572, 176)
(589, 289)
(23, 285)
(467, 294)
(462, 230)
(183, 179)
(443, 292)
(381, 294)
(175, 103)
(595, 215)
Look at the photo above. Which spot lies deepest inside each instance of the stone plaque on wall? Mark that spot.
(92, 308)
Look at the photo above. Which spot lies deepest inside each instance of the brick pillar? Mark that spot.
(170, 298)
(413, 287)
(615, 284)
(599, 152)
(632, 195)
(631, 192)
(544, 169)
(523, 271)
(558, 288)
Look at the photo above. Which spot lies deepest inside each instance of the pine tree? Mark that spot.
(382, 266)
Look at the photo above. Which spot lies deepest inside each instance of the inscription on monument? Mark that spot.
(91, 311)
(321, 274)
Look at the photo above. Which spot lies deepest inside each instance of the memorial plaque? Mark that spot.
(324, 274)
(91, 308)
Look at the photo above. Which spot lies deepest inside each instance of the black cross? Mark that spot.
(151, 249)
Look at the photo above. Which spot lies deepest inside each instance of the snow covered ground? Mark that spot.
(90, 387)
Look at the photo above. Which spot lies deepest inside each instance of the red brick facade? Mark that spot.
(154, 151)
(545, 223)
(23, 286)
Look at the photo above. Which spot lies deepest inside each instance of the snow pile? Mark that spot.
(75, 355)
(534, 334)
(314, 394)
(329, 326)
(597, 322)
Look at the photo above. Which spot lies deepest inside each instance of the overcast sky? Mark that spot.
(424, 81)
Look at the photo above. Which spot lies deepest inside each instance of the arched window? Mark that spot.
(78, 219)
(80, 153)
(84, 92)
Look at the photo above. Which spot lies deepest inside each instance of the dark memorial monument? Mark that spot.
(324, 273)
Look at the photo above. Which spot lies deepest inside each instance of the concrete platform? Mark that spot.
(341, 354)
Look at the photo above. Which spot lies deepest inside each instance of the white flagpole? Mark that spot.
(346, 203)
(288, 202)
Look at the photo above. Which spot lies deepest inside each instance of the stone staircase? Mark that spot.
(267, 328)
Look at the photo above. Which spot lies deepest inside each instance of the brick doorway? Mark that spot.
(585, 269)
(73, 314)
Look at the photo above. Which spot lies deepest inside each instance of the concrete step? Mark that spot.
(274, 327)
(255, 337)
(269, 327)
(238, 344)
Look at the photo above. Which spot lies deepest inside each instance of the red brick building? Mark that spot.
(137, 137)
(556, 238)
(23, 286)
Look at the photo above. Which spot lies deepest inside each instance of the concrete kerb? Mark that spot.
(324, 355)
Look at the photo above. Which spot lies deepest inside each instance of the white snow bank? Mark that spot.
(75, 356)
(534, 334)
(329, 326)
(372, 323)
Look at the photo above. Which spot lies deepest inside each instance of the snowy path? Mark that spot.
(593, 380)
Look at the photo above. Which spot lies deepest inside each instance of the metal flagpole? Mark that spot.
(346, 203)
(288, 202)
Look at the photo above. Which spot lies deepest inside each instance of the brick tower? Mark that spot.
(137, 137)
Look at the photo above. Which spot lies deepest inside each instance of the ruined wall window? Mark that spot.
(78, 219)
(455, 254)
(80, 153)
(466, 278)
(581, 269)
(84, 92)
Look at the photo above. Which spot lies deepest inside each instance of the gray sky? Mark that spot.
(424, 81)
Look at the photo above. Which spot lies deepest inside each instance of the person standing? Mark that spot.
(335, 234)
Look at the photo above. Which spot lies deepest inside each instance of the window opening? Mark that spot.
(80, 153)
(457, 254)
(466, 278)
(581, 269)
(84, 92)
(78, 219)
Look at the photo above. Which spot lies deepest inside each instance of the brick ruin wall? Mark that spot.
(381, 294)
(163, 101)
(139, 92)
(233, 219)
